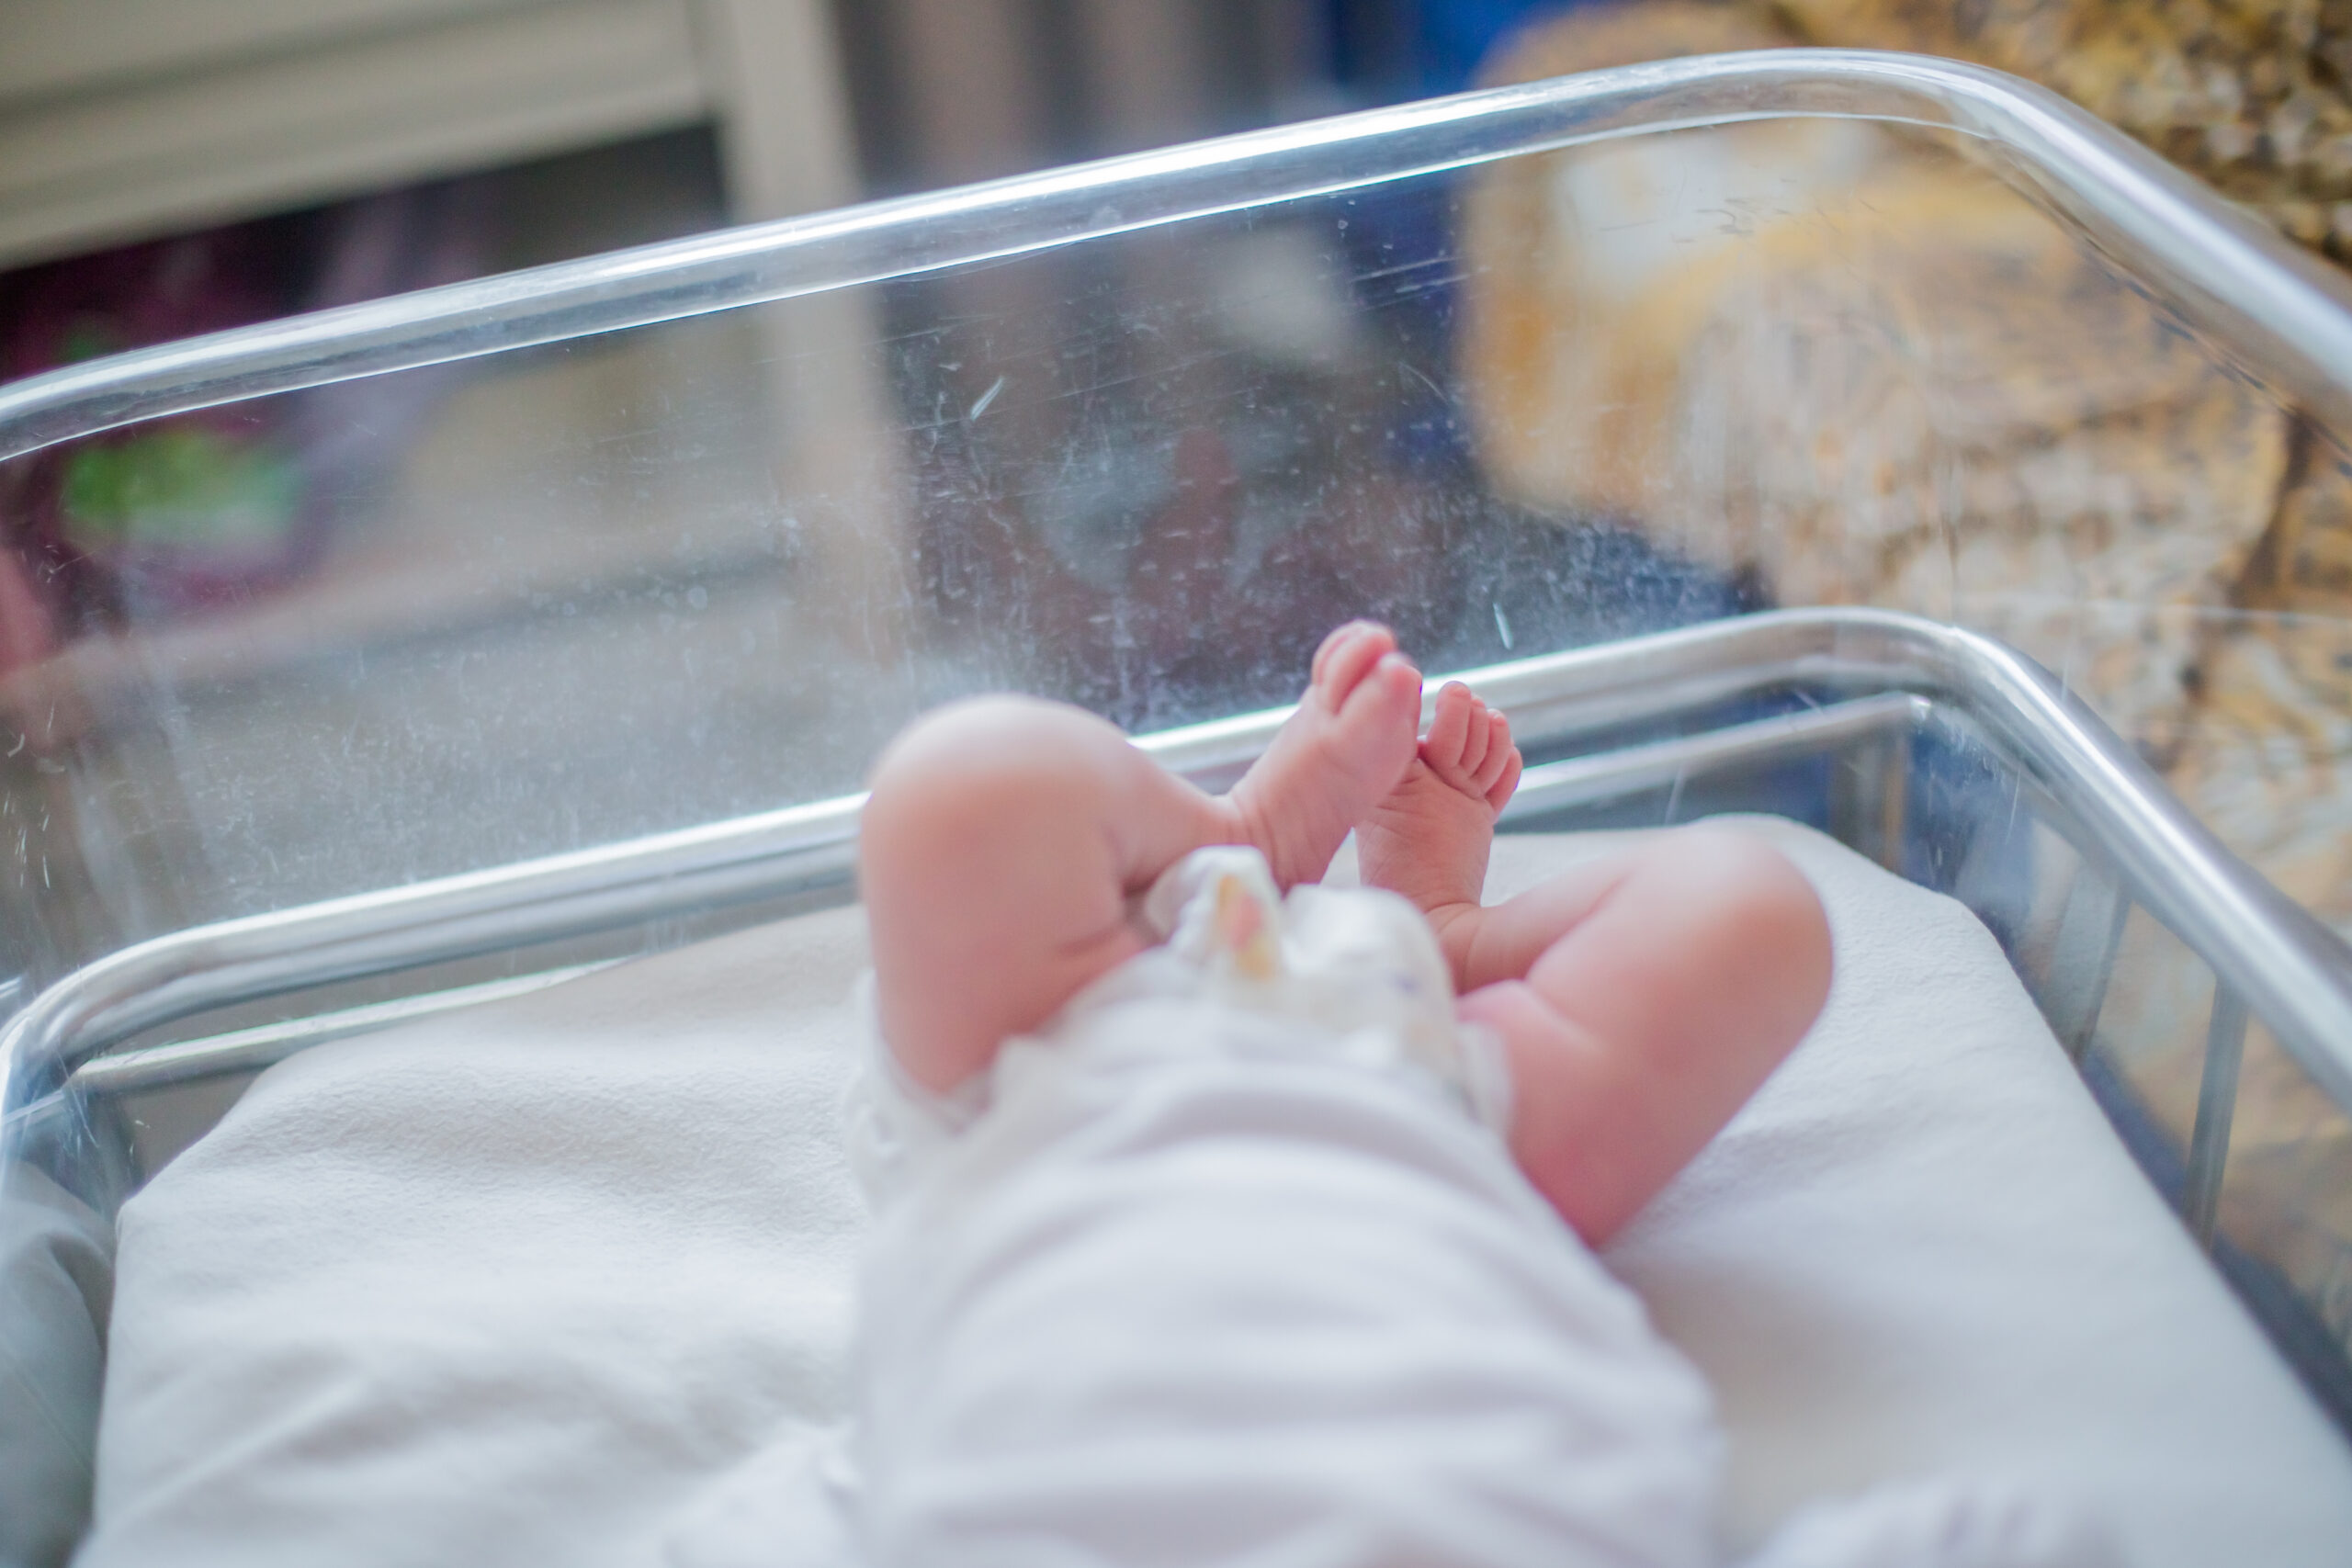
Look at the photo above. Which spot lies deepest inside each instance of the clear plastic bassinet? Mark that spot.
(1722, 412)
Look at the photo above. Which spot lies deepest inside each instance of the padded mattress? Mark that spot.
(569, 1277)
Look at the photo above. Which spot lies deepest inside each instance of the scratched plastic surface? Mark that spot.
(683, 573)
(445, 619)
(463, 615)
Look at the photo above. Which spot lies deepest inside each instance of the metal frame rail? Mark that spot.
(2243, 289)
(2272, 960)
(2283, 317)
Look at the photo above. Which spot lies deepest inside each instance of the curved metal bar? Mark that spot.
(1612, 776)
(2236, 282)
(1551, 786)
(2293, 973)
(373, 933)
(249, 1050)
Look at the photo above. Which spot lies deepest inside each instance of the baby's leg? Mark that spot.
(1642, 998)
(1668, 982)
(1005, 835)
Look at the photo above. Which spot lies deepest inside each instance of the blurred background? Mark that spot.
(172, 594)
(316, 644)
(1570, 398)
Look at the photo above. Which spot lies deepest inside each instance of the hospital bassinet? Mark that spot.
(584, 658)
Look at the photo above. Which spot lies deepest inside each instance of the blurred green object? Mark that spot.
(182, 487)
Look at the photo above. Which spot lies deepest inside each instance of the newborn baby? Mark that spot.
(1222, 1226)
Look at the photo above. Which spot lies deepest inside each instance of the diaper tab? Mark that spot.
(1219, 910)
(1357, 969)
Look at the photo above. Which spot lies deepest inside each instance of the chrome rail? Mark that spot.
(2283, 967)
(615, 886)
(1611, 775)
(1551, 786)
(2231, 280)
(250, 1050)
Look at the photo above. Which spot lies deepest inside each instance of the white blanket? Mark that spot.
(567, 1279)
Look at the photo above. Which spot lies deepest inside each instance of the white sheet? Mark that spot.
(567, 1278)
(55, 1282)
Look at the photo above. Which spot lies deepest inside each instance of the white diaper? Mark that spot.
(1216, 1268)
(1350, 975)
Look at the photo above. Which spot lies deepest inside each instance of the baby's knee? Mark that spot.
(1751, 906)
(968, 766)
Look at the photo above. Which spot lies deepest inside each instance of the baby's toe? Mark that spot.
(1442, 746)
(1498, 793)
(1478, 735)
(1347, 656)
(1388, 697)
(1489, 767)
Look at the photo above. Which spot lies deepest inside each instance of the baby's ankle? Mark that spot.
(1248, 818)
(1456, 924)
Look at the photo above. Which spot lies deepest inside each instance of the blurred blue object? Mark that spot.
(1419, 48)
(1457, 34)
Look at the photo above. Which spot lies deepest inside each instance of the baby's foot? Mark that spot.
(1429, 838)
(1345, 747)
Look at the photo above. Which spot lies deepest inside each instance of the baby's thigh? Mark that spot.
(988, 868)
(1706, 932)
(1254, 1312)
(1653, 1013)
